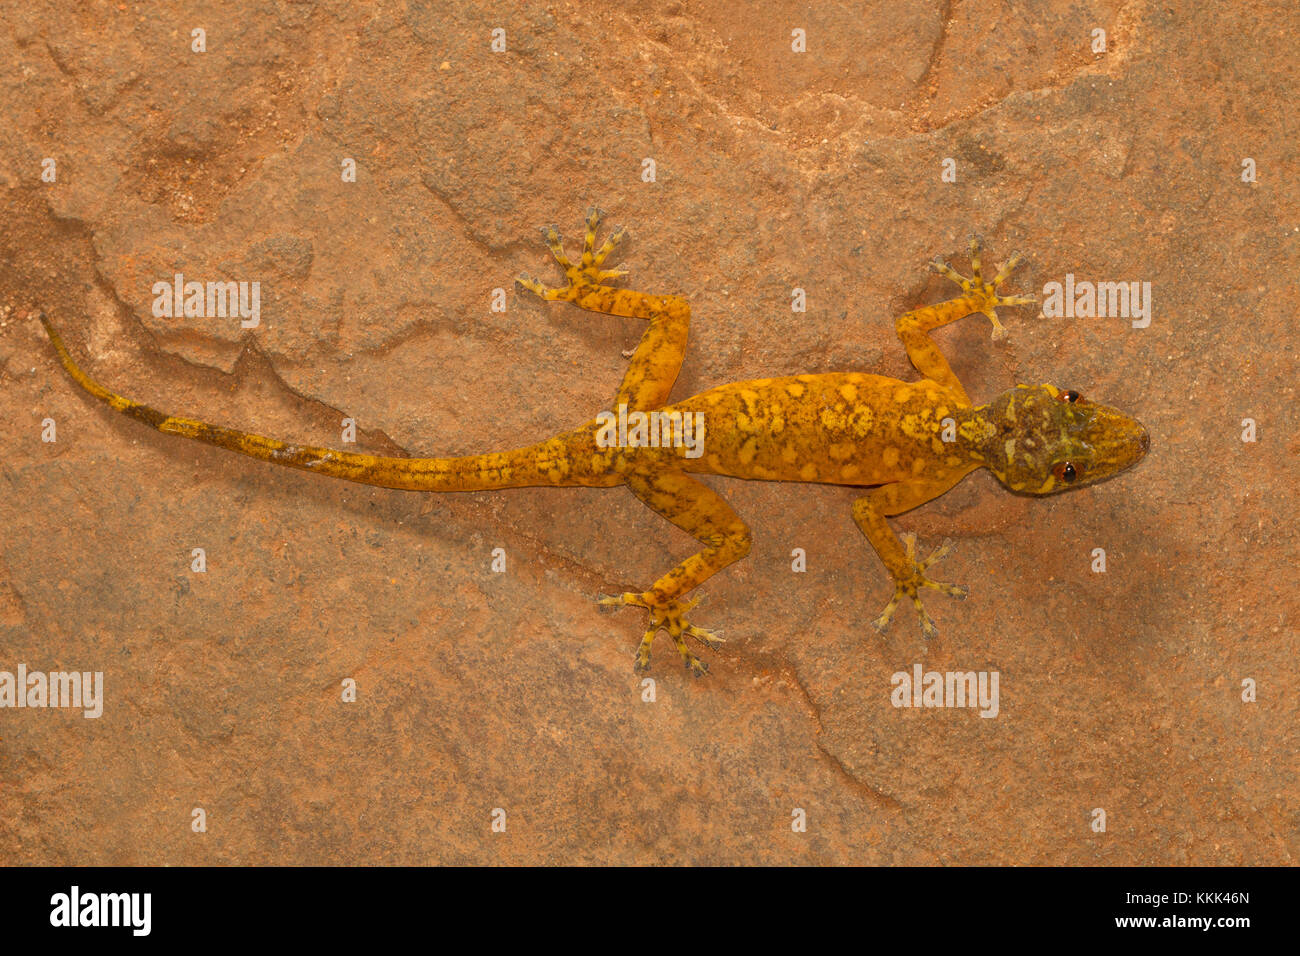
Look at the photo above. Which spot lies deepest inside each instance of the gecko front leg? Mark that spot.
(899, 557)
(871, 512)
(914, 327)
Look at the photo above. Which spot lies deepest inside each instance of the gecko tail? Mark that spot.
(534, 465)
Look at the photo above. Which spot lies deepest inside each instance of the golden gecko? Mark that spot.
(912, 441)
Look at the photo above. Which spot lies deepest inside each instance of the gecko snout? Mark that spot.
(1111, 441)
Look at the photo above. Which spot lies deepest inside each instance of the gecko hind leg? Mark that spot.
(667, 616)
(658, 356)
(985, 294)
(705, 516)
(586, 275)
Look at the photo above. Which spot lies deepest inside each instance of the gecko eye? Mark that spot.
(1070, 395)
(1065, 471)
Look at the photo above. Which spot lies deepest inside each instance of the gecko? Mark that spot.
(903, 443)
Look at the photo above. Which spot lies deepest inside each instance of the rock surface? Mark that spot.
(477, 691)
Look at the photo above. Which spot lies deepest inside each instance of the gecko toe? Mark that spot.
(643, 650)
(881, 623)
(929, 630)
(709, 639)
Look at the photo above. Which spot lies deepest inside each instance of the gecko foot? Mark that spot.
(912, 584)
(669, 616)
(586, 274)
(984, 293)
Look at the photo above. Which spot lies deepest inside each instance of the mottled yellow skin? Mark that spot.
(909, 441)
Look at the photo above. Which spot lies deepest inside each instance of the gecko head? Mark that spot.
(1042, 439)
